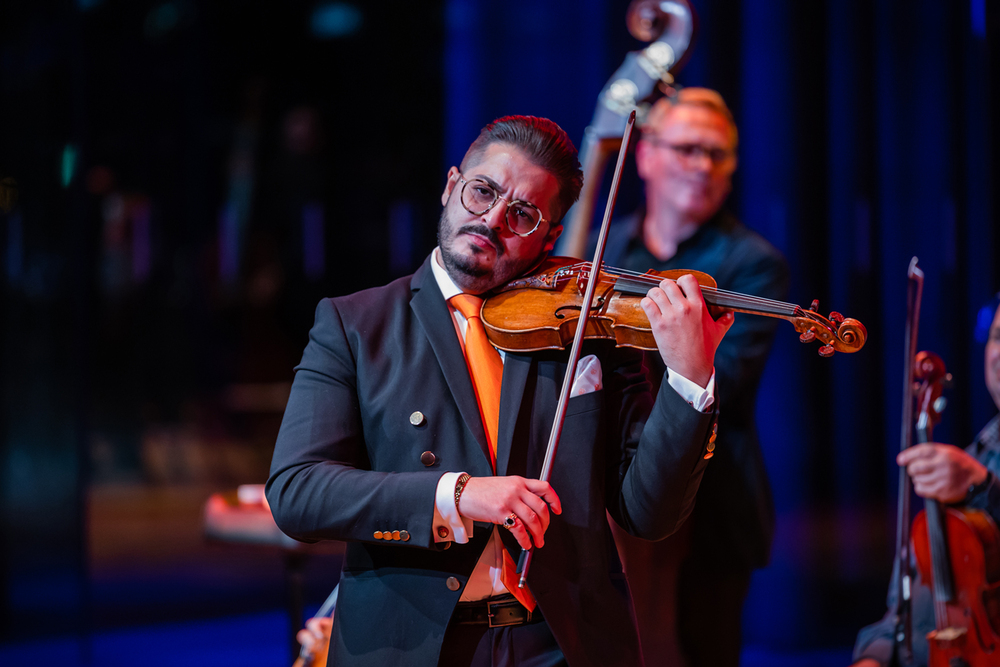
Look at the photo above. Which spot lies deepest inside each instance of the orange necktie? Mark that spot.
(486, 369)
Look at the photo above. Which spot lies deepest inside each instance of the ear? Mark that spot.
(552, 235)
(642, 156)
(453, 175)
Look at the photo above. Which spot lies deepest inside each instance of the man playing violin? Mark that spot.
(429, 471)
(689, 590)
(954, 476)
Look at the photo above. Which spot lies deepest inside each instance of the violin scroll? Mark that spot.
(836, 332)
(931, 378)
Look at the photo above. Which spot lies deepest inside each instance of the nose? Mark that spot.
(496, 217)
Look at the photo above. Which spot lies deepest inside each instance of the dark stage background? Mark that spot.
(192, 176)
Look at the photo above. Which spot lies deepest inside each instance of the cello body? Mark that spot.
(972, 635)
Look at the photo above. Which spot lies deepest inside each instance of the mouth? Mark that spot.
(482, 238)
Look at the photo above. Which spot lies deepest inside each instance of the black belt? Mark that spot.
(496, 612)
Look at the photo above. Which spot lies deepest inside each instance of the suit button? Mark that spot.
(709, 455)
(428, 458)
(452, 584)
(711, 445)
(395, 535)
(417, 418)
(377, 534)
(404, 535)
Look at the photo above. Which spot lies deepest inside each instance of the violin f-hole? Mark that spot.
(598, 302)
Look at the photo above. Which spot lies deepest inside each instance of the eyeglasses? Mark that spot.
(478, 197)
(688, 152)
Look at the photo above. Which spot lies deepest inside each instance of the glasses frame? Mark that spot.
(728, 154)
(497, 197)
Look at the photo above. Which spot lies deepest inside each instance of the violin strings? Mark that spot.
(724, 297)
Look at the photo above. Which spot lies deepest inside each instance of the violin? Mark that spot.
(958, 555)
(541, 311)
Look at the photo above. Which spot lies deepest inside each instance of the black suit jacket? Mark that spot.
(347, 463)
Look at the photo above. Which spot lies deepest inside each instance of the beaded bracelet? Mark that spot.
(463, 479)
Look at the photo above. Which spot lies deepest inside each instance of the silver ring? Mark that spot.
(510, 521)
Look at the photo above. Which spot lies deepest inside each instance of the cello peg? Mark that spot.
(814, 306)
(826, 351)
(807, 336)
(836, 318)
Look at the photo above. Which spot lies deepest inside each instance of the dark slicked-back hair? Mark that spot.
(544, 143)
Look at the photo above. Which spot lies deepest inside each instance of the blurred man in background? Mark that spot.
(689, 589)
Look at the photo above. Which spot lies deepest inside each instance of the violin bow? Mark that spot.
(903, 633)
(524, 562)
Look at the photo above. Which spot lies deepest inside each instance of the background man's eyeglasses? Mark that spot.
(690, 151)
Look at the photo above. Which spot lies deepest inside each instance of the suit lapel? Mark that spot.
(432, 312)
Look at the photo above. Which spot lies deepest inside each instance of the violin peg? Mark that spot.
(826, 351)
(836, 318)
(807, 336)
(814, 306)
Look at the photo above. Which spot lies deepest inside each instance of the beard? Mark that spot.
(468, 273)
(455, 262)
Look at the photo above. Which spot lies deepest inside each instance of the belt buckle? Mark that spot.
(512, 619)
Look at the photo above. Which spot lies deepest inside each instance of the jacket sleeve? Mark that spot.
(322, 485)
(664, 443)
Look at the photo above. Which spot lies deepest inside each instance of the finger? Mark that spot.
(726, 319)
(922, 468)
(546, 492)
(537, 507)
(528, 518)
(305, 638)
(521, 534)
(671, 291)
(319, 626)
(915, 452)
(924, 489)
(688, 284)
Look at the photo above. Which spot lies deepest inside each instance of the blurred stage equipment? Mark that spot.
(670, 26)
(242, 517)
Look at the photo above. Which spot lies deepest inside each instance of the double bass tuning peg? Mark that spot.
(826, 351)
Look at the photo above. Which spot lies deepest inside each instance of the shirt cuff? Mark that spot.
(449, 525)
(701, 399)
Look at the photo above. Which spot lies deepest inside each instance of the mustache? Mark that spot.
(488, 232)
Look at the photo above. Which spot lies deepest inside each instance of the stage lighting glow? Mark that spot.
(68, 164)
(332, 20)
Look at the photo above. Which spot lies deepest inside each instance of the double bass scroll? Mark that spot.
(670, 28)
